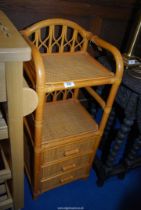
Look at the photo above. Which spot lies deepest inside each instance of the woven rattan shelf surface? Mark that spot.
(62, 67)
(66, 119)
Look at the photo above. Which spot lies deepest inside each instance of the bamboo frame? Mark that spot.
(43, 88)
(96, 96)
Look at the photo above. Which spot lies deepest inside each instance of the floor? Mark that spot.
(85, 195)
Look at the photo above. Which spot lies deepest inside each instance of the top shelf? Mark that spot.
(66, 70)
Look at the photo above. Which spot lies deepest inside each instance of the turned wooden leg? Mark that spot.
(121, 136)
(130, 114)
(132, 153)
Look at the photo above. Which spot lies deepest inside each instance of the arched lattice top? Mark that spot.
(58, 35)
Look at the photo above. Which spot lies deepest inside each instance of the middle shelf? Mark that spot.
(63, 120)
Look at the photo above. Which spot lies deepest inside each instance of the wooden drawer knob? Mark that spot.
(66, 179)
(65, 168)
(71, 152)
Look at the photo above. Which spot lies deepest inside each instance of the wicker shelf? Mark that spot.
(59, 68)
(70, 120)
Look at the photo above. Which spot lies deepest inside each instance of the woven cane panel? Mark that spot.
(66, 119)
(86, 144)
(73, 67)
(65, 166)
(63, 179)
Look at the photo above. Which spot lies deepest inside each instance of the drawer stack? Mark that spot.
(64, 156)
(67, 162)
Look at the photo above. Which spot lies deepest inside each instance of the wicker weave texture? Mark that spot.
(86, 144)
(63, 166)
(63, 129)
(73, 67)
(63, 179)
(66, 119)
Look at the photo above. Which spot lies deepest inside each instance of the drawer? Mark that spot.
(67, 150)
(63, 179)
(65, 166)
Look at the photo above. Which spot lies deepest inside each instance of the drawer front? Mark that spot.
(68, 150)
(65, 166)
(63, 179)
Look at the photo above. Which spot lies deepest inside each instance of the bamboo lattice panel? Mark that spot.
(58, 37)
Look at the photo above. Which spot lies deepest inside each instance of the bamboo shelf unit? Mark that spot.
(61, 137)
(14, 95)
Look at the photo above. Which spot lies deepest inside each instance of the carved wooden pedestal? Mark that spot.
(129, 99)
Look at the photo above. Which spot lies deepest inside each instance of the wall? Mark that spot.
(109, 18)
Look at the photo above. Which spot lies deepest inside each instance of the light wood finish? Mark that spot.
(62, 152)
(15, 126)
(47, 184)
(59, 166)
(12, 44)
(29, 95)
(96, 96)
(73, 117)
(59, 69)
(13, 51)
(61, 128)
(2, 83)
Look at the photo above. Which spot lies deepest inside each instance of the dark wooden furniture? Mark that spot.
(129, 99)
